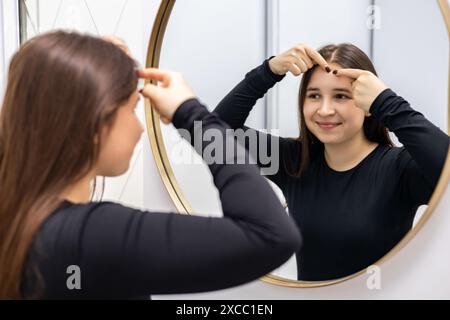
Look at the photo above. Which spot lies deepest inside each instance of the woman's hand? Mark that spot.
(366, 86)
(171, 93)
(297, 60)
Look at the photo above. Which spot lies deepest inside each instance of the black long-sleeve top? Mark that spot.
(127, 253)
(349, 219)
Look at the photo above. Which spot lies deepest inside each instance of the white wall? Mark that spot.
(2, 51)
(414, 45)
(9, 37)
(124, 18)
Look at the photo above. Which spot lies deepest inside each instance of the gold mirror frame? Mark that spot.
(180, 201)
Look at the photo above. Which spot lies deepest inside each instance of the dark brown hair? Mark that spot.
(347, 56)
(63, 88)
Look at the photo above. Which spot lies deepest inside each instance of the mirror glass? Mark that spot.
(216, 43)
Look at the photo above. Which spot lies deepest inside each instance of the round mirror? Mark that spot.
(350, 218)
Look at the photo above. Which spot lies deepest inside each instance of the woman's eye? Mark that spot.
(313, 96)
(342, 97)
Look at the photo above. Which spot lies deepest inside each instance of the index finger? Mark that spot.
(317, 57)
(351, 73)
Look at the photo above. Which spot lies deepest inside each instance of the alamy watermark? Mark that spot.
(227, 146)
(373, 281)
(73, 281)
(374, 20)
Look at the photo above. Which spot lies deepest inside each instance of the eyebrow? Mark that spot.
(335, 89)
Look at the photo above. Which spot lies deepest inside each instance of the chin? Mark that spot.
(115, 172)
(328, 139)
(124, 170)
(324, 138)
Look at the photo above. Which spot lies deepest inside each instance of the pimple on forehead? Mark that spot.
(328, 81)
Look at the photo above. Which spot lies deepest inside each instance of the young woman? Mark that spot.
(352, 193)
(69, 115)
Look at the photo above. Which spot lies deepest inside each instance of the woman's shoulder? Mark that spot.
(71, 228)
(68, 209)
(70, 219)
(392, 153)
(394, 157)
(71, 225)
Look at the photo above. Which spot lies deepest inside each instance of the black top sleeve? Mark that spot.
(425, 145)
(124, 252)
(235, 108)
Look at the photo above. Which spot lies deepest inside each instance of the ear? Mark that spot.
(368, 114)
(96, 139)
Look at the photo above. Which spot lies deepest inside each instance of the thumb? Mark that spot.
(151, 91)
(351, 73)
(154, 94)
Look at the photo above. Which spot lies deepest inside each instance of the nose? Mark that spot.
(326, 109)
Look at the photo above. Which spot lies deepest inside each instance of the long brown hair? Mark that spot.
(63, 87)
(347, 56)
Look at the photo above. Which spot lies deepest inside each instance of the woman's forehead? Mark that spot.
(324, 81)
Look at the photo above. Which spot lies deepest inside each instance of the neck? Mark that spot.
(80, 191)
(346, 155)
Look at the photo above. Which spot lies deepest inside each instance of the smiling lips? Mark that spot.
(328, 125)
